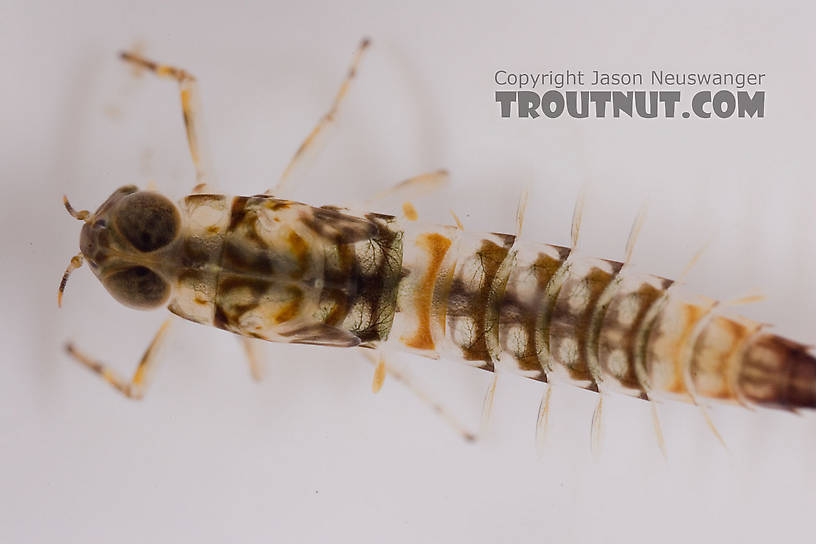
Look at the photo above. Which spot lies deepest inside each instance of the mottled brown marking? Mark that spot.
(617, 335)
(544, 269)
(572, 325)
(778, 373)
(436, 247)
(514, 310)
(238, 211)
(290, 311)
(339, 228)
(320, 334)
(220, 319)
(546, 266)
(715, 346)
(232, 282)
(196, 253)
(337, 286)
(544, 320)
(379, 288)
(473, 303)
(300, 250)
(670, 332)
(362, 276)
(244, 258)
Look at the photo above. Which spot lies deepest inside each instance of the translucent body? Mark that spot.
(284, 271)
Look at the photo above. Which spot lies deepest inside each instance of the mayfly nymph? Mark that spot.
(265, 267)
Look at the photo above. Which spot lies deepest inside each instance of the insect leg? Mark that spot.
(190, 108)
(378, 359)
(408, 189)
(379, 375)
(409, 212)
(412, 187)
(456, 220)
(137, 386)
(324, 122)
(255, 366)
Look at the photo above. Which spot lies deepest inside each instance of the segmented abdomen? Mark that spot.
(288, 272)
(551, 315)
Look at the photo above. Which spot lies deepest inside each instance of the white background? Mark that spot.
(309, 454)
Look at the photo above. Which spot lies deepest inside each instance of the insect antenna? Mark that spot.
(76, 262)
(82, 215)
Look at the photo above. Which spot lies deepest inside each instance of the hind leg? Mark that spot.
(383, 369)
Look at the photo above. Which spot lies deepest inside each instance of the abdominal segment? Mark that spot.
(288, 272)
(542, 312)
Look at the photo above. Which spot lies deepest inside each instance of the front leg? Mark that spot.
(137, 386)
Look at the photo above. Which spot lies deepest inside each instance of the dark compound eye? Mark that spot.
(138, 287)
(149, 221)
